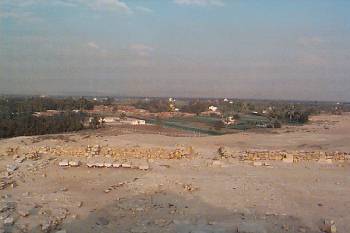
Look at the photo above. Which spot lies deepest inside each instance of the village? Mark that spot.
(191, 116)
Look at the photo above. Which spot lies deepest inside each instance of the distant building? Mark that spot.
(229, 120)
(213, 108)
(111, 119)
(47, 113)
(133, 121)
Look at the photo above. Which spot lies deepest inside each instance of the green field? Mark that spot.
(203, 124)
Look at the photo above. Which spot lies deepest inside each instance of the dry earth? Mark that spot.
(192, 194)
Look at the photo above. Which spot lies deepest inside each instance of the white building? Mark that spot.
(213, 108)
(133, 121)
(111, 119)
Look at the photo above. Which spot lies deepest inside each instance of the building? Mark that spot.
(229, 120)
(48, 113)
(213, 108)
(133, 121)
(111, 119)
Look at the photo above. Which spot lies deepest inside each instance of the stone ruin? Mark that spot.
(287, 156)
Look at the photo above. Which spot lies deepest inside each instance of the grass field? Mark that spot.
(204, 124)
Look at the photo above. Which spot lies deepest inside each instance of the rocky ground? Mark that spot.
(153, 183)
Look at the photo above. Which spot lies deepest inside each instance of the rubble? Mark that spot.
(34, 155)
(126, 165)
(329, 226)
(5, 182)
(108, 164)
(116, 165)
(46, 226)
(80, 204)
(11, 167)
(64, 163)
(19, 159)
(11, 151)
(74, 163)
(9, 221)
(23, 213)
(190, 187)
(288, 158)
(105, 151)
(285, 156)
(144, 167)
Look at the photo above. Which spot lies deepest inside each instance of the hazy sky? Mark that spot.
(286, 49)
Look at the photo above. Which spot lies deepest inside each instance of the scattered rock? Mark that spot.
(46, 226)
(26, 194)
(80, 204)
(329, 226)
(99, 164)
(74, 163)
(190, 187)
(5, 206)
(11, 167)
(116, 165)
(9, 221)
(144, 167)
(63, 163)
(288, 158)
(102, 221)
(20, 159)
(23, 213)
(126, 165)
(5, 182)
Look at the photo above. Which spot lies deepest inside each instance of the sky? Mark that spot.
(261, 49)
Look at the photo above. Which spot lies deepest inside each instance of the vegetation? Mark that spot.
(154, 105)
(17, 116)
(27, 124)
(18, 105)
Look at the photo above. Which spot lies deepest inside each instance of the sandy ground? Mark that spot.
(229, 196)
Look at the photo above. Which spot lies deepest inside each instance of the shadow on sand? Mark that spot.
(168, 212)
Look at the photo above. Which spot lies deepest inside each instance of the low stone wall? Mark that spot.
(98, 150)
(287, 156)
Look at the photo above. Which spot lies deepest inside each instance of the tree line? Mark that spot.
(17, 118)
(25, 124)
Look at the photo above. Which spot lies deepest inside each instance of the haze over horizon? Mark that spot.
(192, 48)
